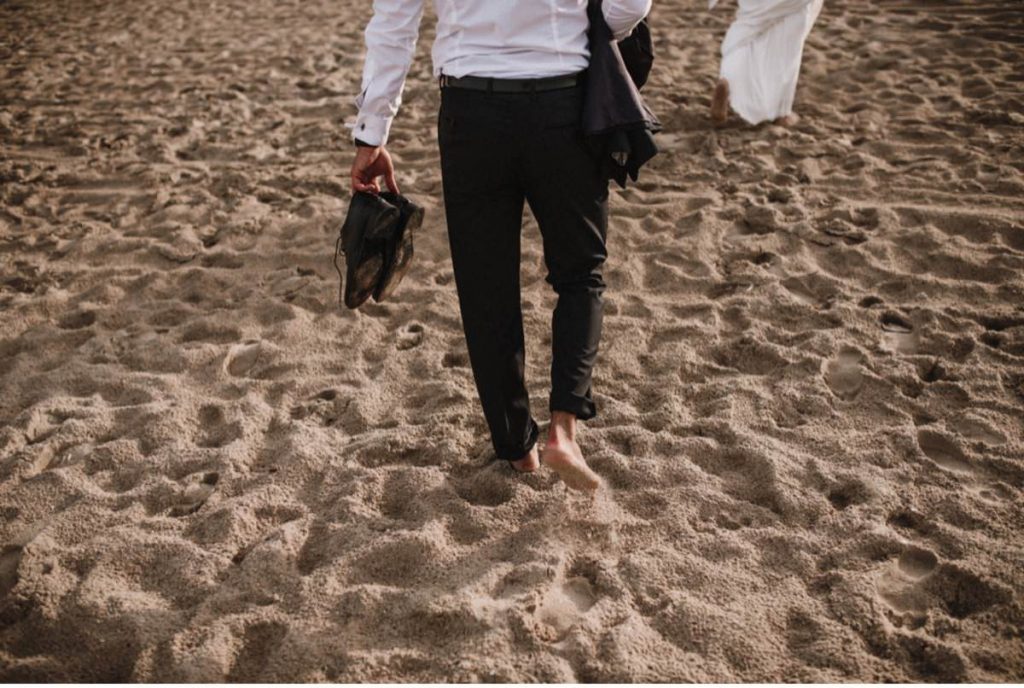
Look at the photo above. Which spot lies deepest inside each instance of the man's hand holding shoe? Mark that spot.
(372, 162)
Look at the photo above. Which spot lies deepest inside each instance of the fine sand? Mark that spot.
(810, 388)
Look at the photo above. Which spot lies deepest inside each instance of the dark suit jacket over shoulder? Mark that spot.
(618, 124)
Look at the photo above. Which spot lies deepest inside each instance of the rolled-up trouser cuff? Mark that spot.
(516, 452)
(582, 407)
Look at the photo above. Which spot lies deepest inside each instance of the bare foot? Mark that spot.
(529, 463)
(565, 458)
(788, 120)
(720, 103)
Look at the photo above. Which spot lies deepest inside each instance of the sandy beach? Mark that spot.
(810, 387)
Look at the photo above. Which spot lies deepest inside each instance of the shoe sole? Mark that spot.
(403, 257)
(362, 280)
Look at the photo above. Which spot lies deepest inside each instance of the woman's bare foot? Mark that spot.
(788, 120)
(563, 455)
(720, 103)
(529, 463)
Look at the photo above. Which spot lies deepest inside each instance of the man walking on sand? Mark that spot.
(509, 132)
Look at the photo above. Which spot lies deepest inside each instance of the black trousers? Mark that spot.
(497, 151)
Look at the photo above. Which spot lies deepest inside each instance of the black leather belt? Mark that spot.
(483, 83)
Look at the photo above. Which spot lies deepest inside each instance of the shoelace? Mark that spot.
(338, 250)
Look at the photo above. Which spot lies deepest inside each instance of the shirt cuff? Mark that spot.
(372, 129)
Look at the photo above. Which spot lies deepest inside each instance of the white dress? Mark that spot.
(761, 55)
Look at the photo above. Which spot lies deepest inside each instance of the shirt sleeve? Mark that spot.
(623, 15)
(390, 43)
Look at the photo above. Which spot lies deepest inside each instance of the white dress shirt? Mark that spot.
(496, 38)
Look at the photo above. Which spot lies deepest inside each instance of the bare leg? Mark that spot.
(720, 103)
(529, 463)
(563, 455)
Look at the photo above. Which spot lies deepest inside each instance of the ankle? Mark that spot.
(563, 428)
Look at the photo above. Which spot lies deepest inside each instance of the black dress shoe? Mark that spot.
(370, 221)
(398, 245)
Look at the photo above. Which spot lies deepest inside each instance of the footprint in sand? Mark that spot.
(77, 320)
(843, 373)
(562, 607)
(243, 357)
(899, 333)
(807, 294)
(978, 429)
(848, 493)
(489, 487)
(75, 455)
(932, 371)
(994, 492)
(946, 454)
(991, 339)
(917, 562)
(405, 562)
(10, 559)
(917, 584)
(409, 336)
(943, 451)
(522, 581)
(901, 585)
(961, 592)
(49, 458)
(196, 494)
(761, 219)
(215, 428)
(323, 406)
